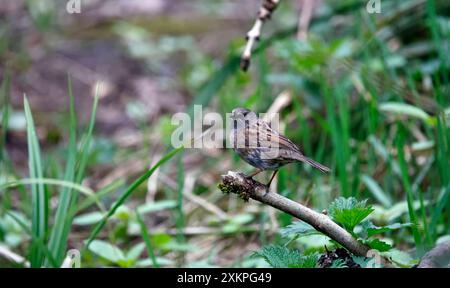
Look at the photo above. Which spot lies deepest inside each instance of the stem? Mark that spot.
(248, 188)
(265, 11)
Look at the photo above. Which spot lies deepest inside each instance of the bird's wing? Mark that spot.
(260, 135)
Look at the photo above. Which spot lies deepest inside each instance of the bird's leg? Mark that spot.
(270, 181)
(254, 173)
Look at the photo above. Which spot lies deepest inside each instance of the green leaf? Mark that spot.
(150, 263)
(156, 206)
(88, 218)
(376, 191)
(177, 246)
(236, 222)
(39, 222)
(407, 110)
(349, 212)
(281, 257)
(106, 250)
(378, 245)
(135, 252)
(83, 157)
(362, 261)
(61, 229)
(298, 228)
(338, 263)
(371, 229)
(6, 118)
(400, 258)
(147, 240)
(160, 240)
(315, 242)
(388, 215)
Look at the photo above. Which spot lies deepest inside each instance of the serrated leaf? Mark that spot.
(349, 212)
(338, 263)
(281, 257)
(298, 228)
(371, 229)
(307, 261)
(368, 262)
(361, 261)
(379, 245)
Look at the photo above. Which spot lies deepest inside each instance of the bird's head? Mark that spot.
(240, 113)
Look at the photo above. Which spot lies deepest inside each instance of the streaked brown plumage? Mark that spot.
(263, 147)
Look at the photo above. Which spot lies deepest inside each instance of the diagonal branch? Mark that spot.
(247, 188)
(306, 13)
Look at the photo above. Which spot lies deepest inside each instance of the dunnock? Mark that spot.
(263, 147)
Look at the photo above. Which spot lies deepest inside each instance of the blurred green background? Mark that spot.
(366, 94)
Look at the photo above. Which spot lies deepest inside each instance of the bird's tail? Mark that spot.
(314, 164)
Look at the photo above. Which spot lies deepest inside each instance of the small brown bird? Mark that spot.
(263, 147)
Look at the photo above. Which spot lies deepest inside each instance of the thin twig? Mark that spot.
(307, 8)
(13, 257)
(265, 12)
(281, 101)
(248, 188)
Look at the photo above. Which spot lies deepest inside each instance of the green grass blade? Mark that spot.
(147, 240)
(84, 154)
(5, 163)
(86, 203)
(39, 220)
(408, 187)
(60, 232)
(128, 193)
(444, 198)
(179, 218)
(338, 140)
(50, 181)
(4, 98)
(377, 191)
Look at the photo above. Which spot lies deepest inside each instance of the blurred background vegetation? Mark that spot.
(366, 94)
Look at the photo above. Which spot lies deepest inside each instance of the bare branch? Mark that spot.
(307, 9)
(265, 12)
(247, 188)
(13, 257)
